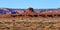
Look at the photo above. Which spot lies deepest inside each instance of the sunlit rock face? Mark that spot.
(19, 11)
(4, 11)
(28, 10)
(11, 11)
(16, 11)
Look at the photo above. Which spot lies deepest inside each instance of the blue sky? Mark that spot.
(29, 3)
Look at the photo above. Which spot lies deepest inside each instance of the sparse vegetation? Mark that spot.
(31, 23)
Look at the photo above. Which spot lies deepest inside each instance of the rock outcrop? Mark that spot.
(30, 12)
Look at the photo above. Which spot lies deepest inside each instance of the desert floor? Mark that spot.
(34, 23)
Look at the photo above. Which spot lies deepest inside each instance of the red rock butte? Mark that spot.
(29, 12)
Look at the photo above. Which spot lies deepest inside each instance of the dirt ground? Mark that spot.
(30, 23)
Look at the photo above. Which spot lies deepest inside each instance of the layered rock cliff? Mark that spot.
(29, 12)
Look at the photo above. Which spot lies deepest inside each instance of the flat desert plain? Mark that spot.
(34, 23)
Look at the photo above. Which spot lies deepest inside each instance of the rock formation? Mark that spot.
(29, 12)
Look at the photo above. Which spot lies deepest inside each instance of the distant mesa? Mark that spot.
(19, 11)
(30, 12)
(31, 9)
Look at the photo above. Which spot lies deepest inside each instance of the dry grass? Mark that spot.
(30, 23)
